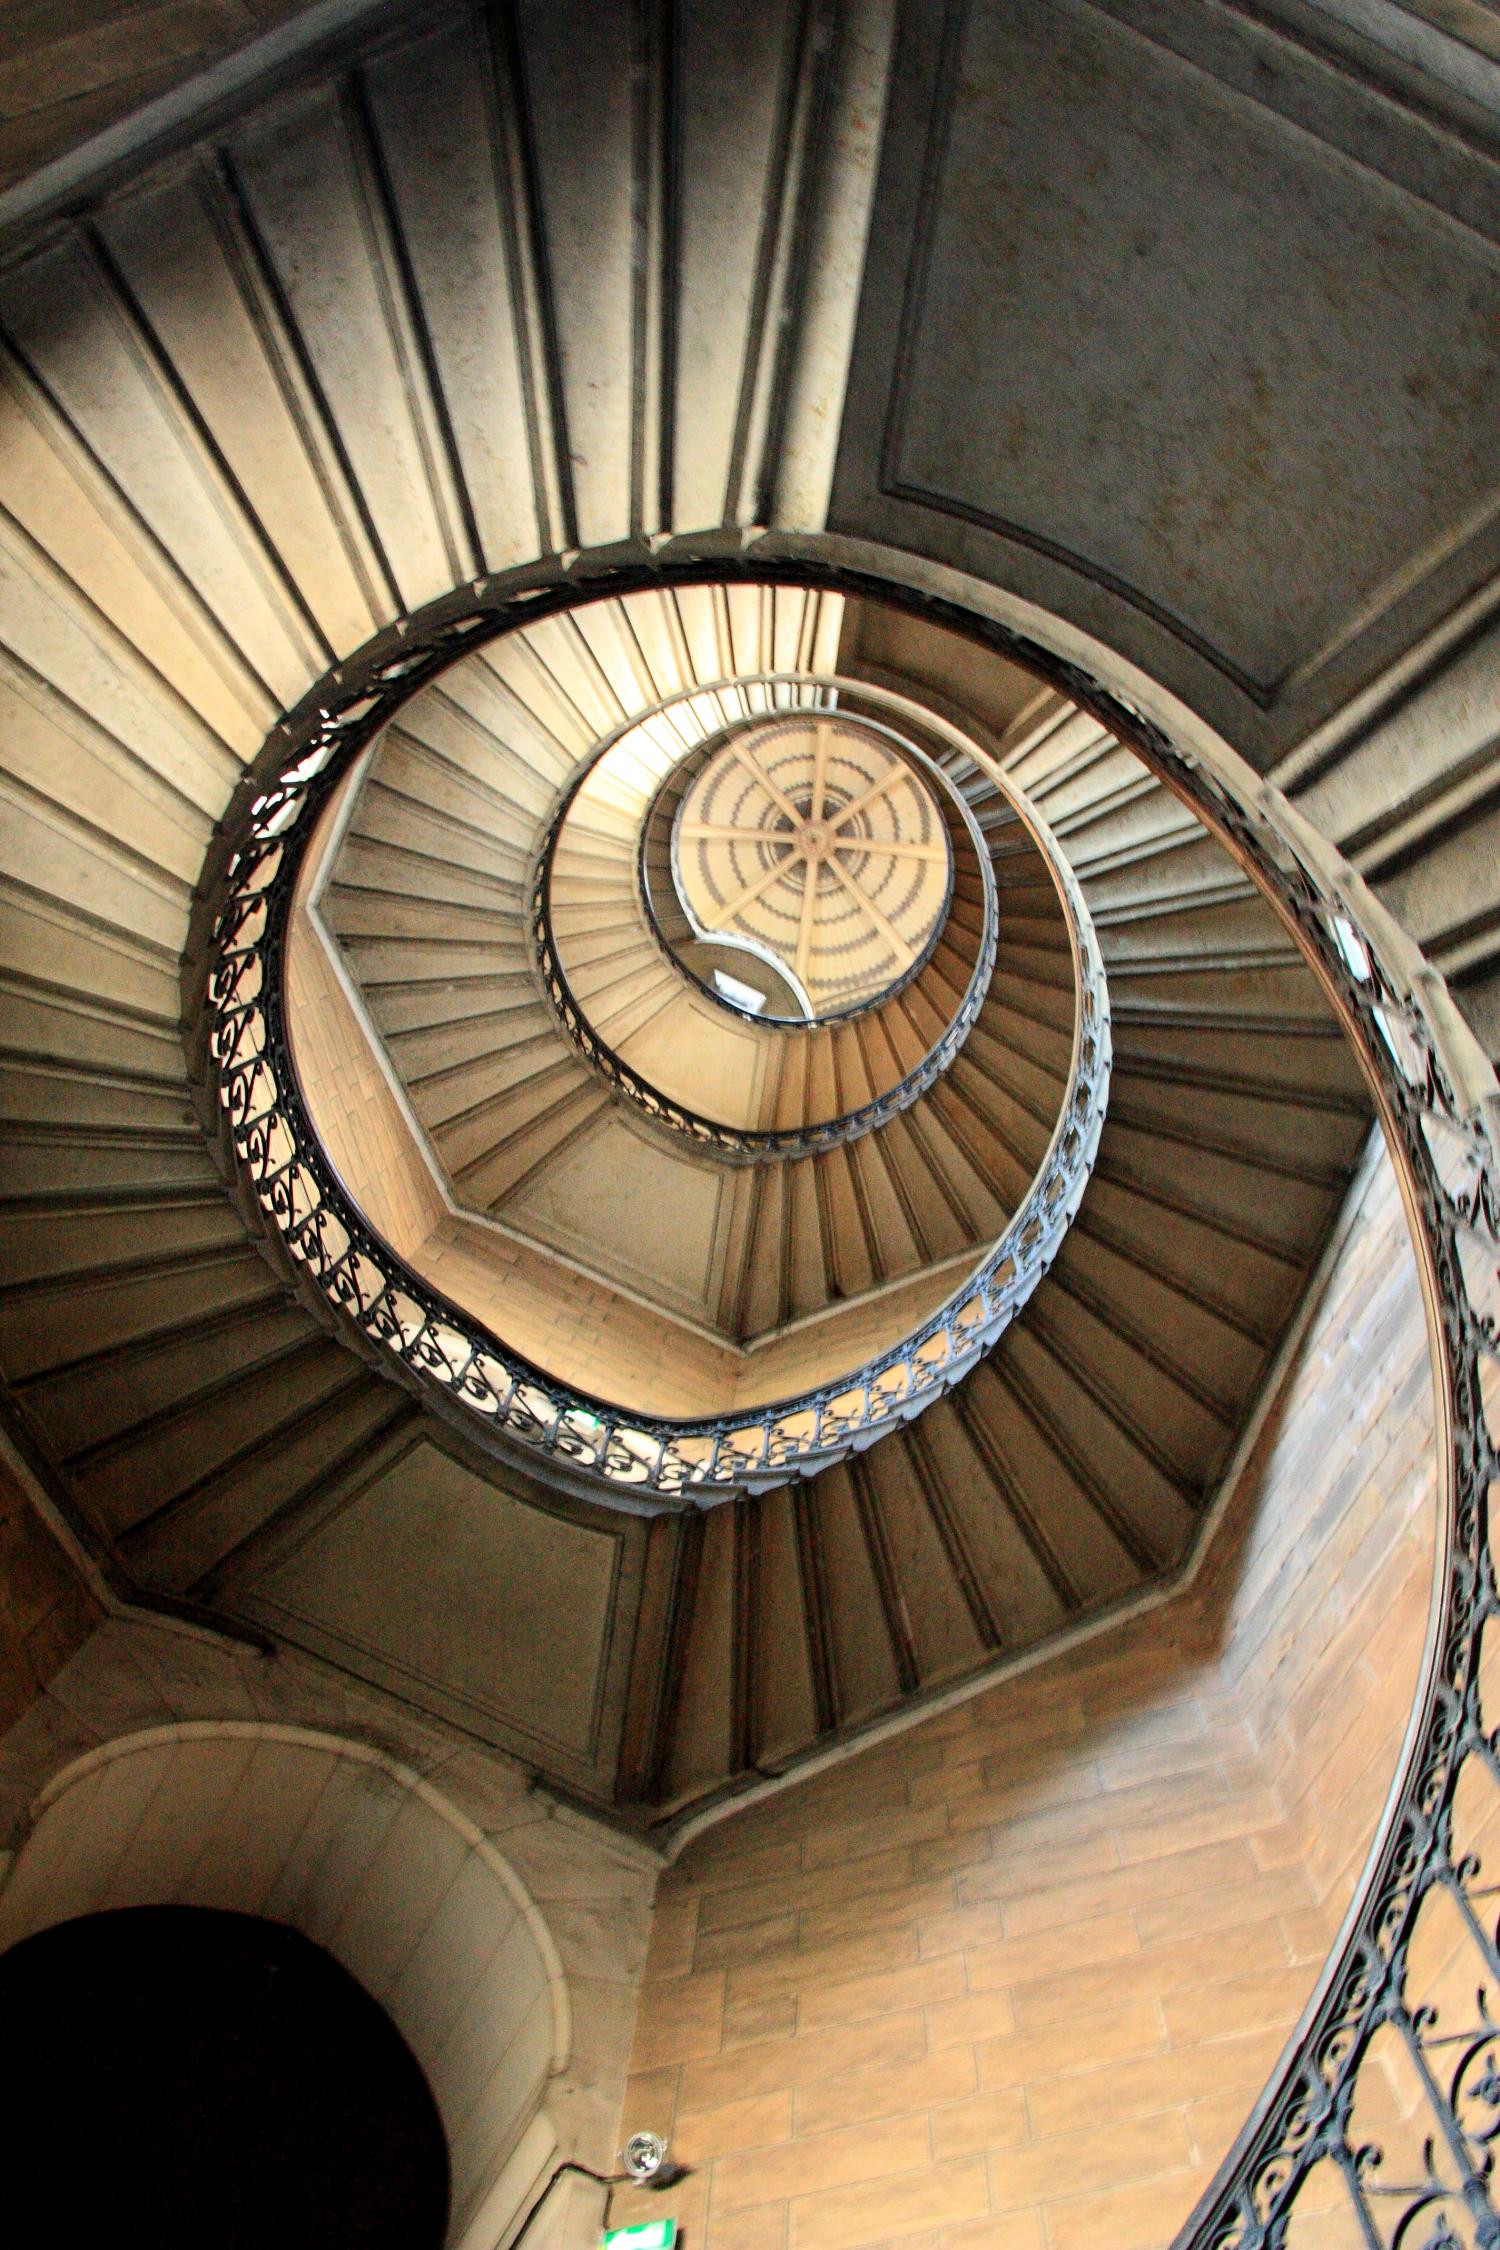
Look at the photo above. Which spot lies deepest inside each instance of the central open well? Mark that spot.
(813, 846)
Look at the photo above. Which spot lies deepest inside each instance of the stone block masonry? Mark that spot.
(1014, 1978)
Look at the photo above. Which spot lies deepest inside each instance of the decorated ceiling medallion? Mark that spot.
(811, 843)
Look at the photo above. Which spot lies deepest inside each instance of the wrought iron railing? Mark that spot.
(1401, 1997)
(739, 1144)
(1429, 2181)
(1406, 2013)
(421, 1336)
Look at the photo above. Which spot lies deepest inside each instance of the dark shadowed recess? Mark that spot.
(174, 2076)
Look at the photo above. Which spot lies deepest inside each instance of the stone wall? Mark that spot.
(593, 1891)
(1014, 1977)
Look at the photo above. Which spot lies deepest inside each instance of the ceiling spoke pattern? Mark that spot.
(859, 886)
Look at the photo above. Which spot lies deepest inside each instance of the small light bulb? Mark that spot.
(643, 2155)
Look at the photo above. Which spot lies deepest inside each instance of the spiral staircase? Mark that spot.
(849, 1186)
(624, 1117)
(192, 1413)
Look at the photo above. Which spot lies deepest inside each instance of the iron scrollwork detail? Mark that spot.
(1428, 2183)
(418, 1334)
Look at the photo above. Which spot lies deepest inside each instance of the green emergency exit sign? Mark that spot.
(649, 2234)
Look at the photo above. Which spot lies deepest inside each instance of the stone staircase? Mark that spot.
(1409, 791)
(505, 1097)
(1075, 1462)
(1067, 1471)
(265, 403)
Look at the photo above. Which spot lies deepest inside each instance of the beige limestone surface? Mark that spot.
(592, 1892)
(1013, 1980)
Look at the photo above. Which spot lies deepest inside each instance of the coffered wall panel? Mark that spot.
(462, 1592)
(1173, 328)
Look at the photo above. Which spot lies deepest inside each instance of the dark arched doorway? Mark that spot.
(172, 2076)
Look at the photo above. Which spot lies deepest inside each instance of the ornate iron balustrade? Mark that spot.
(1397, 1986)
(741, 1144)
(1437, 1099)
(1380, 2000)
(419, 1335)
(1399, 1992)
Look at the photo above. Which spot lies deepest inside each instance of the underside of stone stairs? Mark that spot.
(744, 752)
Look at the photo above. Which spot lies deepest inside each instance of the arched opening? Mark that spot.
(450, 313)
(228, 2079)
(337, 1845)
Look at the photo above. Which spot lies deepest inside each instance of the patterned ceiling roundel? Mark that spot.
(810, 841)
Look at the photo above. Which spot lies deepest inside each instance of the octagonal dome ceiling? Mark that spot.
(649, 945)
